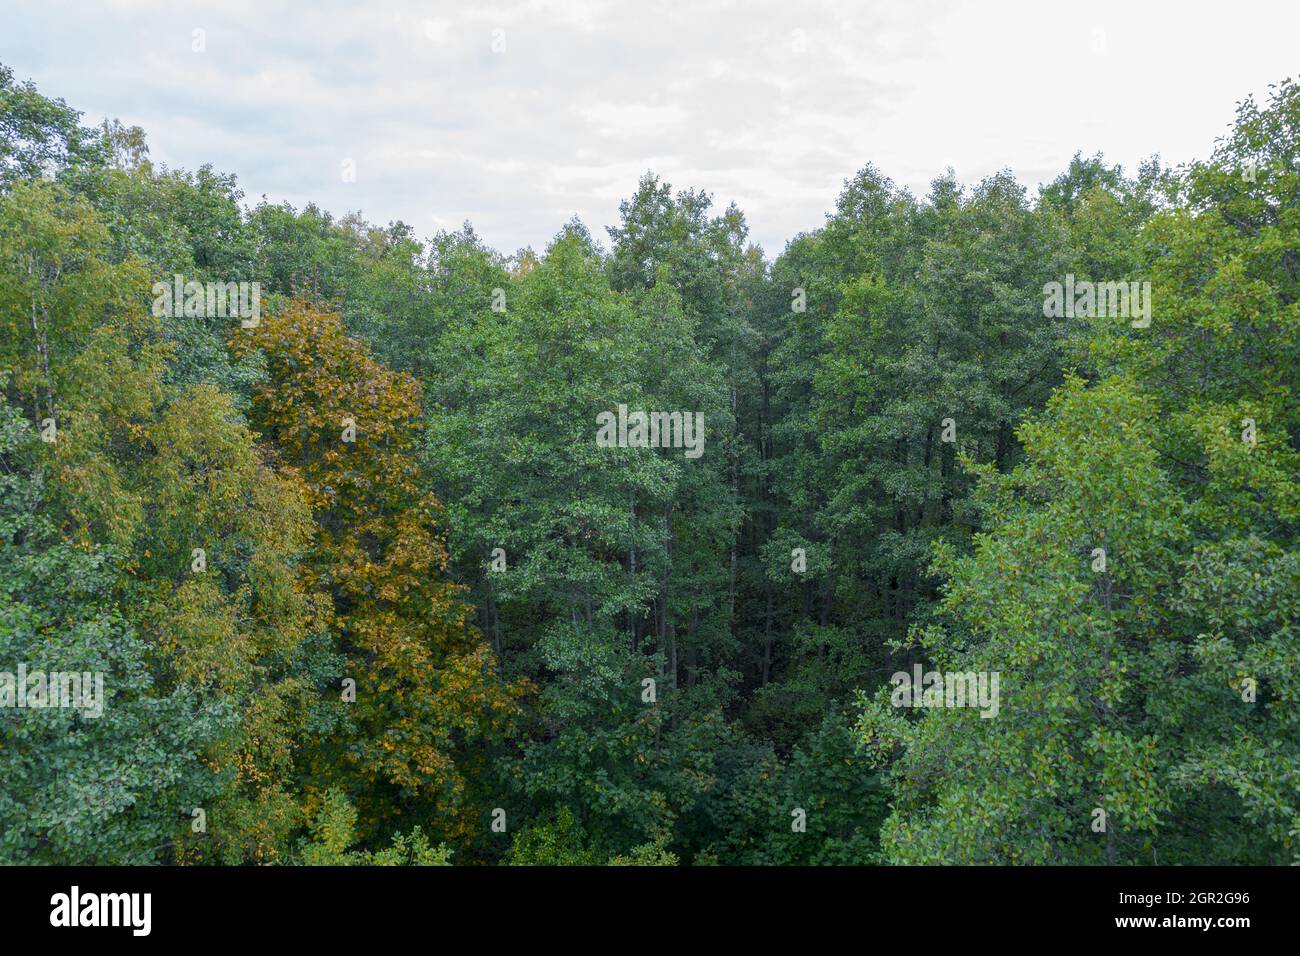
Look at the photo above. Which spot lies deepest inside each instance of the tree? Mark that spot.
(108, 783)
(425, 685)
(204, 534)
(40, 135)
(1136, 589)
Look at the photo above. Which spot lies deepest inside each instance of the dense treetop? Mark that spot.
(364, 586)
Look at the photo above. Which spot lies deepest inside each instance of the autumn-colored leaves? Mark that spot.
(346, 425)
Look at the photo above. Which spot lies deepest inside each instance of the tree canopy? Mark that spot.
(402, 551)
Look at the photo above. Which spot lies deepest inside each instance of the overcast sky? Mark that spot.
(770, 105)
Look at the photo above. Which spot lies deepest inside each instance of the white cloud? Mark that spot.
(436, 30)
(772, 105)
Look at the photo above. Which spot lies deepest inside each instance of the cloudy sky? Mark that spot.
(516, 116)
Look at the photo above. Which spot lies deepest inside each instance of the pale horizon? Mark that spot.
(772, 111)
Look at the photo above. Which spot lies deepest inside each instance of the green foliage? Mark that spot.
(40, 135)
(333, 831)
(81, 787)
(558, 841)
(647, 658)
(1159, 688)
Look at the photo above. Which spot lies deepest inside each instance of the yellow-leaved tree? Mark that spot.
(427, 688)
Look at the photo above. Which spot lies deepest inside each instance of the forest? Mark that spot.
(654, 547)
